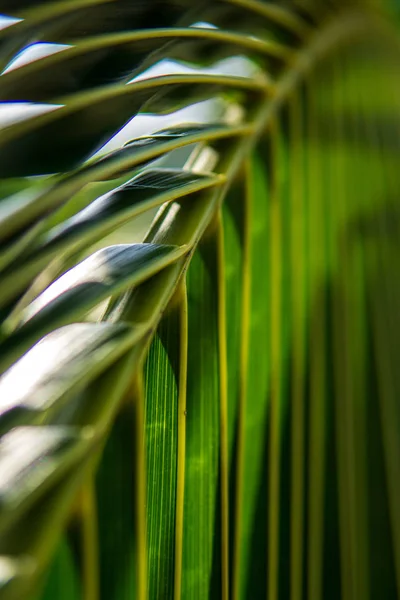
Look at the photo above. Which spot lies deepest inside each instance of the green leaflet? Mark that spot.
(143, 149)
(353, 556)
(298, 398)
(201, 561)
(145, 191)
(110, 58)
(115, 499)
(45, 454)
(115, 555)
(60, 22)
(323, 575)
(363, 253)
(30, 394)
(352, 445)
(162, 373)
(233, 214)
(232, 224)
(41, 527)
(107, 110)
(187, 229)
(52, 18)
(18, 210)
(155, 546)
(101, 276)
(254, 389)
(103, 216)
(37, 531)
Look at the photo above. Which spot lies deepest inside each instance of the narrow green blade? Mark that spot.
(251, 476)
(161, 433)
(201, 564)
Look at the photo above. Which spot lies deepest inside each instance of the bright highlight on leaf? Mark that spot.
(213, 412)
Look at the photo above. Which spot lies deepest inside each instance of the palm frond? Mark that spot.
(209, 410)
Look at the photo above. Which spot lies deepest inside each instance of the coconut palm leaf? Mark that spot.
(208, 409)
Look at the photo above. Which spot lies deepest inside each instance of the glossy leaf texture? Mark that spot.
(208, 410)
